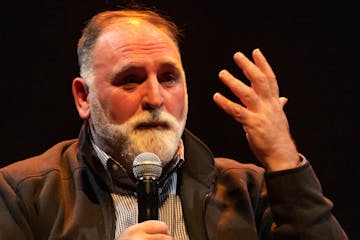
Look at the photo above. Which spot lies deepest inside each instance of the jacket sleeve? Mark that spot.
(299, 208)
(13, 223)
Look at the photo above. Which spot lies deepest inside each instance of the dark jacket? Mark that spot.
(64, 193)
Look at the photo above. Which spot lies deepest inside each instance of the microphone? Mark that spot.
(147, 169)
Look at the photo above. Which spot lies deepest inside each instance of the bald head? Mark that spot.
(101, 21)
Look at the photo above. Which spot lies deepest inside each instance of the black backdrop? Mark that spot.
(311, 46)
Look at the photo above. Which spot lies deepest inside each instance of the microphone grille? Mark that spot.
(147, 164)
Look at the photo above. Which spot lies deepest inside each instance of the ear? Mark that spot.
(80, 94)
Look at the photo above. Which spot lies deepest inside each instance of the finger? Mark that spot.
(245, 93)
(253, 73)
(265, 67)
(151, 229)
(155, 226)
(157, 237)
(283, 101)
(235, 110)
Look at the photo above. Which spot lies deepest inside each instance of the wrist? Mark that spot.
(283, 162)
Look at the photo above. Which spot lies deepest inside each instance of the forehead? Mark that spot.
(130, 34)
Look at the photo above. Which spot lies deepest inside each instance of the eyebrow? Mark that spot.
(171, 64)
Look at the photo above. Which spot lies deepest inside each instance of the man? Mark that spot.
(132, 96)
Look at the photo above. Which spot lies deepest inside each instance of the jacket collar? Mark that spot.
(88, 155)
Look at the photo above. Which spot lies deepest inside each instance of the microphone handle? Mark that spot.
(148, 199)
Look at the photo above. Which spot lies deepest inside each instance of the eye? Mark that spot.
(132, 79)
(128, 82)
(168, 78)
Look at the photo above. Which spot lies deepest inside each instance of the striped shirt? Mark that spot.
(170, 209)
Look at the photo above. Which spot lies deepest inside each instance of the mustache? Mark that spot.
(153, 120)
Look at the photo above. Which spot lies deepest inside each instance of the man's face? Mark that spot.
(138, 99)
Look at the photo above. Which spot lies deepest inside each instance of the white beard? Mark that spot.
(125, 141)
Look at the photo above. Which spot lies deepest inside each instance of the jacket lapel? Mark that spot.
(195, 183)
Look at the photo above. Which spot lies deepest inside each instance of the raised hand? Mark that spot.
(260, 112)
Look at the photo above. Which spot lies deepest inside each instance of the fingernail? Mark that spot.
(222, 73)
(238, 54)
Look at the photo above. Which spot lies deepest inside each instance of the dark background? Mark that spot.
(311, 46)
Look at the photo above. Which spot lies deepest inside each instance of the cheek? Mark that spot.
(120, 108)
(177, 104)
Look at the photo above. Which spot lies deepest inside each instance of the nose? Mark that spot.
(153, 96)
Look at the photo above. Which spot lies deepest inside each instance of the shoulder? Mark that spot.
(226, 164)
(234, 171)
(238, 183)
(54, 160)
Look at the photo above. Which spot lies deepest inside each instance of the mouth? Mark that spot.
(153, 125)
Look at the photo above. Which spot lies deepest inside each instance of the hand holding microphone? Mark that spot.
(147, 169)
